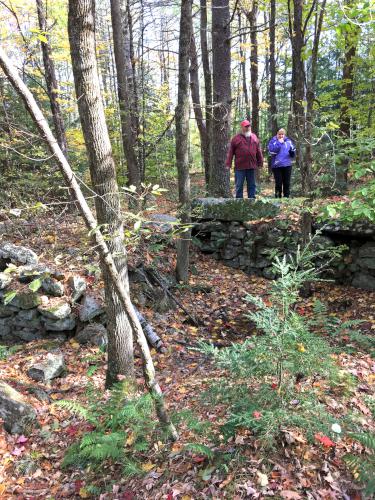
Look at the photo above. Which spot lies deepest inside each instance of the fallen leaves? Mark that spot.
(324, 440)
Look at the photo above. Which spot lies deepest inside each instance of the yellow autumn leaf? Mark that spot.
(148, 466)
(83, 493)
(301, 348)
(130, 439)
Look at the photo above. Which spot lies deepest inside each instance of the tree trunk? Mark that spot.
(351, 37)
(252, 18)
(272, 67)
(198, 113)
(98, 239)
(297, 121)
(103, 177)
(121, 44)
(182, 138)
(221, 72)
(311, 83)
(207, 85)
(51, 81)
(243, 68)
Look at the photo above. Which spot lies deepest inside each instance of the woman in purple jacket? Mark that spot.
(282, 150)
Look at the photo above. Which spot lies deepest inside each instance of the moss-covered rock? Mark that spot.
(26, 300)
(57, 311)
(232, 209)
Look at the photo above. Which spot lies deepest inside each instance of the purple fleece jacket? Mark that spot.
(281, 153)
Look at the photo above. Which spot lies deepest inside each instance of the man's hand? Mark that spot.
(227, 167)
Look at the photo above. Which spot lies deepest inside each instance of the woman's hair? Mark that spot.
(282, 130)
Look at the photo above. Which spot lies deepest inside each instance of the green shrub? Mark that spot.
(363, 466)
(275, 380)
(123, 429)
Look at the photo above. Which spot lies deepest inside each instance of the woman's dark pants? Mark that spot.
(282, 181)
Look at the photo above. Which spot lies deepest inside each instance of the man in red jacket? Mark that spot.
(245, 147)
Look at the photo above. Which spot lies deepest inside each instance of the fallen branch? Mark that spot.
(159, 281)
(105, 255)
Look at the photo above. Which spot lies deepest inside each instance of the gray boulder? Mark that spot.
(91, 308)
(6, 311)
(163, 223)
(366, 263)
(60, 325)
(367, 250)
(94, 333)
(6, 328)
(18, 416)
(230, 252)
(26, 334)
(56, 311)
(53, 287)
(53, 366)
(78, 287)
(363, 280)
(26, 300)
(5, 280)
(27, 319)
(31, 272)
(17, 254)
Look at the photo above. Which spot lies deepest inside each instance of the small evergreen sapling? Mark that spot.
(275, 381)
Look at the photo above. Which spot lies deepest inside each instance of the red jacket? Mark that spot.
(247, 152)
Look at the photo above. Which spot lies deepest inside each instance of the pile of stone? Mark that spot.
(226, 228)
(57, 306)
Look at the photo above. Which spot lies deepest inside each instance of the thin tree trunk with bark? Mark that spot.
(252, 18)
(311, 84)
(98, 238)
(351, 38)
(297, 120)
(272, 67)
(51, 80)
(198, 113)
(124, 69)
(182, 138)
(243, 67)
(221, 77)
(207, 84)
(103, 177)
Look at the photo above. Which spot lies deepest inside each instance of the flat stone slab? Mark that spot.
(233, 209)
(18, 254)
(53, 366)
(18, 416)
(163, 223)
(364, 230)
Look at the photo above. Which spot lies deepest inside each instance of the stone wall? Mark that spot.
(37, 301)
(252, 245)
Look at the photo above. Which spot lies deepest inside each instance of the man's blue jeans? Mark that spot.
(239, 178)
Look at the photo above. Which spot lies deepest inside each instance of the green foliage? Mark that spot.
(345, 334)
(269, 383)
(123, 429)
(6, 351)
(363, 466)
(361, 204)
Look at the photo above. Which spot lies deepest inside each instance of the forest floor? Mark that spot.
(30, 468)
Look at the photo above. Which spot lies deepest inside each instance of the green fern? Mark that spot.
(200, 449)
(77, 409)
(124, 426)
(363, 466)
